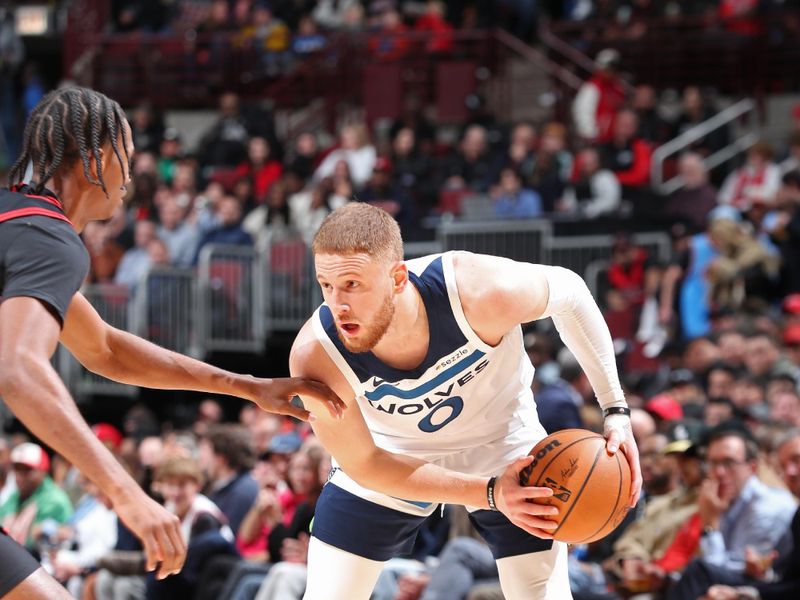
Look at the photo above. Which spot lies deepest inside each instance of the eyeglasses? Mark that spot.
(727, 464)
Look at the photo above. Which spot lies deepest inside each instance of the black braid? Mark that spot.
(70, 124)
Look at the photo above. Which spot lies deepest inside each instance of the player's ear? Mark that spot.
(399, 275)
(93, 162)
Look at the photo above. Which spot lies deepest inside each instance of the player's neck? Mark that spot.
(405, 344)
(74, 198)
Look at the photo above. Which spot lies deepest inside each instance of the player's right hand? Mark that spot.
(517, 502)
(158, 529)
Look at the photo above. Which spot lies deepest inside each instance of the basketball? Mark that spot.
(591, 489)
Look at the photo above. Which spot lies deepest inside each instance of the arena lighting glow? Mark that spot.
(32, 20)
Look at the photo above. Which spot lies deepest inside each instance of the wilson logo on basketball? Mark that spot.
(526, 472)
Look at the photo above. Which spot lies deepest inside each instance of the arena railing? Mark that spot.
(229, 298)
(290, 290)
(164, 308)
(524, 240)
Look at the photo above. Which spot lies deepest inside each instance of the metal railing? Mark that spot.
(164, 307)
(742, 108)
(229, 296)
(524, 240)
(290, 289)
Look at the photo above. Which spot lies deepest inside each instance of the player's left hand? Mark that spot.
(275, 396)
(618, 433)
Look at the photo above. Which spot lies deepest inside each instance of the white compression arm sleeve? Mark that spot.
(583, 329)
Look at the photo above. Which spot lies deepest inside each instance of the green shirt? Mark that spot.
(51, 501)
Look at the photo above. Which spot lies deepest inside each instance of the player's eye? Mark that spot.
(352, 284)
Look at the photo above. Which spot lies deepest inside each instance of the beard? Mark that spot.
(369, 336)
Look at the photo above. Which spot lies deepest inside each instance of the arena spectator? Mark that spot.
(599, 99)
(303, 158)
(225, 143)
(382, 192)
(652, 128)
(169, 152)
(736, 511)
(628, 155)
(261, 167)
(785, 232)
(433, 21)
(147, 128)
(388, 41)
(226, 456)
(694, 110)
(552, 165)
(8, 483)
(471, 168)
(308, 39)
(338, 14)
(180, 235)
(268, 36)
(309, 207)
(757, 181)
(229, 231)
(692, 203)
(512, 200)
(596, 190)
(355, 150)
(136, 261)
(105, 253)
(37, 499)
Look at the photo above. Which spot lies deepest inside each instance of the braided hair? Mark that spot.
(67, 125)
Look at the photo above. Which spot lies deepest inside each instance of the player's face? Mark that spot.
(360, 292)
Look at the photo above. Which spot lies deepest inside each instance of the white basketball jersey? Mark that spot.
(467, 407)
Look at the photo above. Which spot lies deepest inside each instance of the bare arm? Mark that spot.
(351, 444)
(37, 396)
(127, 358)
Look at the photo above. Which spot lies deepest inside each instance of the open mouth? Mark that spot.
(350, 329)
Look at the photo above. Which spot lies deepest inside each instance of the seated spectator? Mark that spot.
(736, 511)
(169, 152)
(652, 127)
(758, 180)
(552, 165)
(783, 561)
(147, 128)
(433, 21)
(596, 191)
(309, 208)
(357, 152)
(308, 40)
(303, 157)
(136, 261)
(180, 235)
(272, 220)
(626, 273)
(261, 167)
(784, 407)
(692, 203)
(763, 358)
(627, 154)
(88, 536)
(695, 110)
(333, 14)
(268, 36)
(511, 200)
(229, 231)
(471, 167)
(412, 170)
(104, 252)
(380, 191)
(389, 41)
(226, 456)
(225, 143)
(37, 500)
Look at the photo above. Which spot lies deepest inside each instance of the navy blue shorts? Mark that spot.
(367, 529)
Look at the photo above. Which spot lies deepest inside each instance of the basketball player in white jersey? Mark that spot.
(428, 356)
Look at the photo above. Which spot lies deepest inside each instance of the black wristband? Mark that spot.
(490, 493)
(617, 410)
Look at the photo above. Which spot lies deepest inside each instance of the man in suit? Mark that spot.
(762, 579)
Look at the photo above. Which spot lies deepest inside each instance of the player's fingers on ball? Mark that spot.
(541, 533)
(533, 522)
(534, 508)
(532, 492)
(612, 441)
(521, 463)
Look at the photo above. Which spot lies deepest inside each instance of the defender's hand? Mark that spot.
(517, 501)
(618, 433)
(159, 531)
(275, 396)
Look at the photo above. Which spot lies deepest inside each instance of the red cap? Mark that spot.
(30, 455)
(791, 335)
(791, 304)
(665, 407)
(108, 433)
